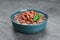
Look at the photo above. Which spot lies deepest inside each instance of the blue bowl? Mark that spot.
(28, 28)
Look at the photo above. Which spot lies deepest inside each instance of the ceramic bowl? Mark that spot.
(29, 28)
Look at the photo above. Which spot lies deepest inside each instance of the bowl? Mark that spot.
(29, 28)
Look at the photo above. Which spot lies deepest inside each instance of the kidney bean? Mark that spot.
(24, 17)
(28, 22)
(31, 21)
(22, 21)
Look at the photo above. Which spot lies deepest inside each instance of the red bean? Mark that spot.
(28, 22)
(22, 21)
(24, 17)
(31, 21)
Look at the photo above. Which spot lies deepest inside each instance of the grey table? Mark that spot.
(52, 31)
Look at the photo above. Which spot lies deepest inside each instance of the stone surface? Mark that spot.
(52, 31)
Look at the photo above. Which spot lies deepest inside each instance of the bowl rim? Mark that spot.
(21, 10)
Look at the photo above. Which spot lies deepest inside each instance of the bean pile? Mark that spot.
(27, 17)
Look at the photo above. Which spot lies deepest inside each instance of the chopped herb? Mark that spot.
(37, 17)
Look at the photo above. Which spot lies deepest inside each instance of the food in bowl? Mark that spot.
(29, 17)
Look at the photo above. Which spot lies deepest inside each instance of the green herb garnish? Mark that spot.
(37, 17)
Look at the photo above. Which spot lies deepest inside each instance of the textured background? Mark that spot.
(52, 31)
